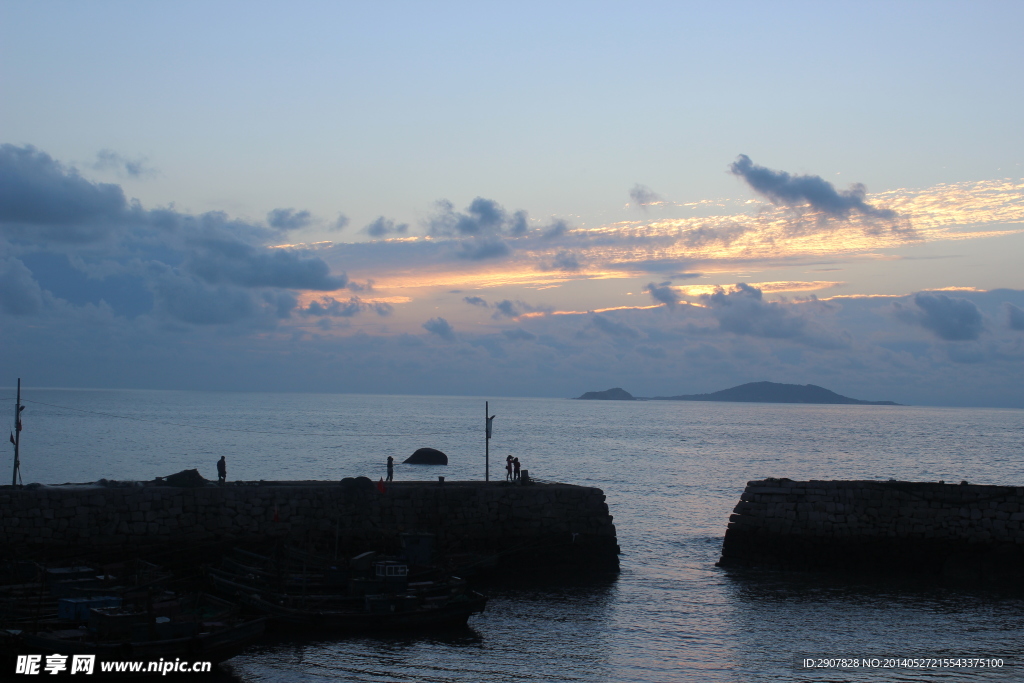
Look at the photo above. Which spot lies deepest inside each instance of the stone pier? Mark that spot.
(538, 525)
(931, 529)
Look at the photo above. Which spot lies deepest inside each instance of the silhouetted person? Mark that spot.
(222, 470)
(515, 468)
(508, 468)
(391, 468)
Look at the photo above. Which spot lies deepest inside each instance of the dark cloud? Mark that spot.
(743, 311)
(40, 198)
(674, 268)
(967, 355)
(704, 236)
(339, 223)
(651, 351)
(480, 249)
(382, 227)
(950, 319)
(329, 306)
(612, 328)
(332, 307)
(191, 301)
(565, 261)
(223, 261)
(518, 224)
(283, 302)
(441, 328)
(51, 207)
(491, 344)
(784, 189)
(506, 309)
(123, 288)
(663, 293)
(482, 217)
(480, 229)
(288, 219)
(1014, 317)
(557, 228)
(519, 334)
(19, 292)
(354, 286)
(109, 160)
(644, 196)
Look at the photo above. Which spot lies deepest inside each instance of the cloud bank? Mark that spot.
(64, 235)
(97, 290)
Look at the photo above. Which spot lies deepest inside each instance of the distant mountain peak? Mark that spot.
(751, 392)
(774, 392)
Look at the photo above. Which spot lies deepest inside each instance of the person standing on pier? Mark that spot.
(391, 468)
(222, 470)
(515, 469)
(508, 468)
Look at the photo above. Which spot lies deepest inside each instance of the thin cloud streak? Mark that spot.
(668, 247)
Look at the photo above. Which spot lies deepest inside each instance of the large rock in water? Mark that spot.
(427, 456)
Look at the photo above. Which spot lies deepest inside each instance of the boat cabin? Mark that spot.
(391, 570)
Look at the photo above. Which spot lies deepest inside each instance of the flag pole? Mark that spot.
(488, 419)
(17, 436)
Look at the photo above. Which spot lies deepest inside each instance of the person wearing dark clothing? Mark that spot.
(515, 468)
(222, 470)
(391, 468)
(508, 468)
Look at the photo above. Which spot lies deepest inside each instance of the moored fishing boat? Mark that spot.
(197, 627)
(373, 594)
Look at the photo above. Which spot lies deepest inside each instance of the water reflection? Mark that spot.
(779, 618)
(510, 641)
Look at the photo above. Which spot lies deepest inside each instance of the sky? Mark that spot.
(514, 199)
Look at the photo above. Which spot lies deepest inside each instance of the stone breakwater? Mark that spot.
(952, 530)
(550, 523)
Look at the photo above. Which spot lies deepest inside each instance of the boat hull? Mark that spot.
(215, 647)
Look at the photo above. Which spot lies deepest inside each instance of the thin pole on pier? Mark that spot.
(16, 437)
(488, 418)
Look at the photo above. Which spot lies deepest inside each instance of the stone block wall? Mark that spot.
(967, 531)
(512, 521)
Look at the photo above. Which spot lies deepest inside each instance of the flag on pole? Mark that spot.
(12, 438)
(489, 420)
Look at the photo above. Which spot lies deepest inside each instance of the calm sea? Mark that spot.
(672, 472)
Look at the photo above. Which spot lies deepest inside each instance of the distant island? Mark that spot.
(615, 394)
(753, 392)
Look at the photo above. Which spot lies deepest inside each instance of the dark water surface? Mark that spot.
(672, 472)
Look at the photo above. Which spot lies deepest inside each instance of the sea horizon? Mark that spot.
(26, 388)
